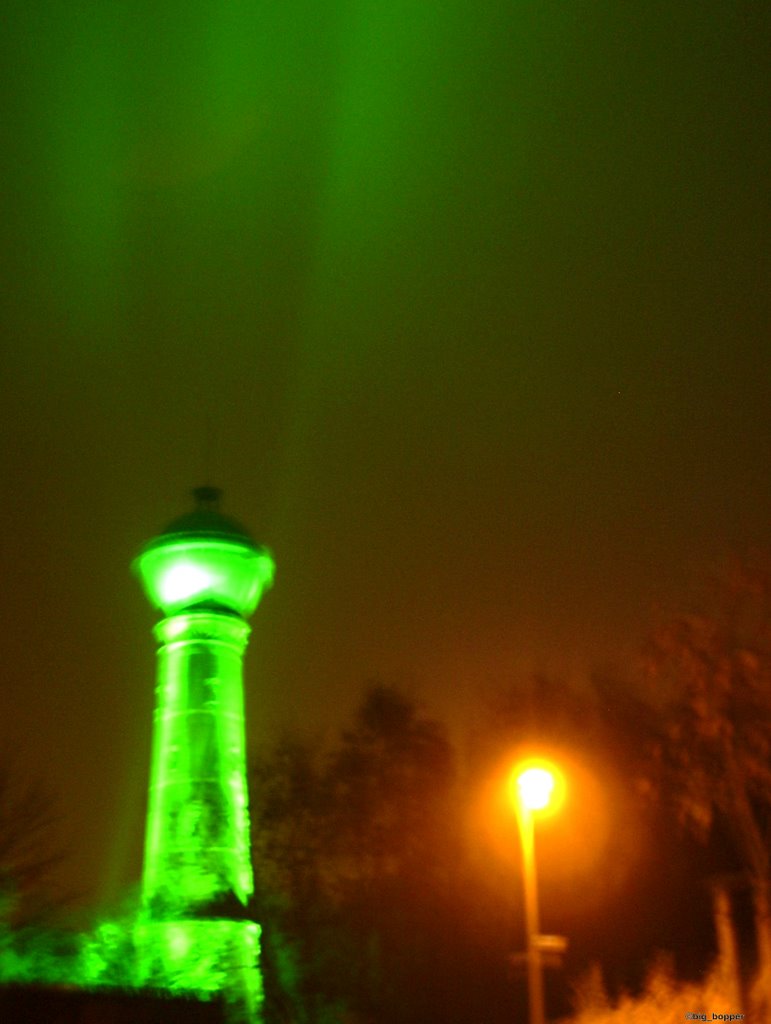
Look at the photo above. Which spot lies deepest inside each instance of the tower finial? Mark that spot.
(207, 498)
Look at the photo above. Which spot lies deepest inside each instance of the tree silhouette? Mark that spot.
(29, 852)
(710, 673)
(356, 859)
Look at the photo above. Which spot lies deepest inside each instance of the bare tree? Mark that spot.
(29, 851)
(710, 673)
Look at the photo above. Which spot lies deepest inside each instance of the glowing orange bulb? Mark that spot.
(536, 786)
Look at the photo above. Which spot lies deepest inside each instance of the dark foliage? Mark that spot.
(358, 860)
(29, 850)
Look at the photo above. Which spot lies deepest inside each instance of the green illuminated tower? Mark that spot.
(206, 574)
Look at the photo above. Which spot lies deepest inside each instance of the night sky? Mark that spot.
(464, 305)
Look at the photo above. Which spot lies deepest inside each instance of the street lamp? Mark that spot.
(535, 787)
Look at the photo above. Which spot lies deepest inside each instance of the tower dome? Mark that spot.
(205, 559)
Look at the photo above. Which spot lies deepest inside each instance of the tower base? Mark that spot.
(207, 958)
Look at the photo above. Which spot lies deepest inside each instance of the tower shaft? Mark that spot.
(197, 854)
(194, 933)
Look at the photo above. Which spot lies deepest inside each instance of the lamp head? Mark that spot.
(535, 788)
(537, 785)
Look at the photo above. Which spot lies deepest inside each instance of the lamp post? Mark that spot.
(533, 791)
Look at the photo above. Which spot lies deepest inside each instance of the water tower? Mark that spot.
(206, 574)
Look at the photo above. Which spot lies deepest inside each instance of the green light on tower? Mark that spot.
(206, 574)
